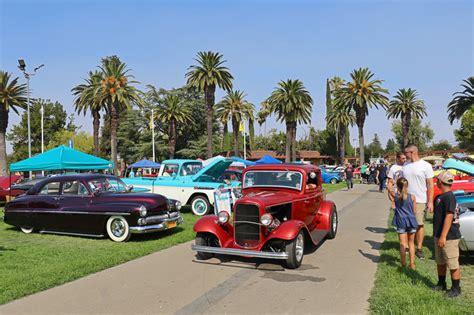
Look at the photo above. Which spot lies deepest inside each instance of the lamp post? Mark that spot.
(152, 126)
(22, 67)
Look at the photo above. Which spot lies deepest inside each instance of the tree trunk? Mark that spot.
(113, 135)
(342, 142)
(96, 128)
(288, 142)
(3, 143)
(406, 120)
(360, 120)
(293, 142)
(209, 92)
(224, 135)
(235, 132)
(172, 138)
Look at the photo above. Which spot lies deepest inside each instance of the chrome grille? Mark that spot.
(158, 218)
(247, 225)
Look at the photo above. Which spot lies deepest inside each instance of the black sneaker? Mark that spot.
(452, 293)
(440, 287)
(419, 254)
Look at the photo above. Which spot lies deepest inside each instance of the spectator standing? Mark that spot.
(363, 169)
(349, 174)
(446, 236)
(419, 174)
(372, 171)
(394, 173)
(381, 176)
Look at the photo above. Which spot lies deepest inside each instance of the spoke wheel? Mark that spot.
(118, 229)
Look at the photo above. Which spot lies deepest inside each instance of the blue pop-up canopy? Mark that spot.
(61, 158)
(267, 159)
(145, 164)
(245, 162)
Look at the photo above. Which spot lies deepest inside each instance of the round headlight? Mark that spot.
(223, 217)
(266, 219)
(142, 211)
(177, 204)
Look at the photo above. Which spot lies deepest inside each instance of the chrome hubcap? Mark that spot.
(299, 247)
(334, 222)
(200, 207)
(118, 228)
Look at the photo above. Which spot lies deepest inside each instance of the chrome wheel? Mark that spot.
(295, 250)
(299, 247)
(118, 228)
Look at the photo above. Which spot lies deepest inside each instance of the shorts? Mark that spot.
(420, 213)
(448, 255)
(406, 230)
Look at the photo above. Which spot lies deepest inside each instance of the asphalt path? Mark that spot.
(335, 277)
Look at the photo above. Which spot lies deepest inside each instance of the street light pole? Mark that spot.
(153, 132)
(22, 67)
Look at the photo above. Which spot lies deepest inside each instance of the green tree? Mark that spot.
(406, 105)
(236, 108)
(421, 134)
(116, 90)
(205, 76)
(465, 134)
(361, 94)
(273, 141)
(55, 120)
(198, 148)
(375, 147)
(339, 119)
(12, 96)
(293, 104)
(86, 100)
(263, 114)
(462, 102)
(441, 145)
(391, 147)
(82, 141)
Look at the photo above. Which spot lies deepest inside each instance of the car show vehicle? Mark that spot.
(467, 185)
(283, 208)
(91, 205)
(330, 177)
(188, 183)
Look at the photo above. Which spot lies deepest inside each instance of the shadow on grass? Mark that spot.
(466, 258)
(378, 230)
(4, 249)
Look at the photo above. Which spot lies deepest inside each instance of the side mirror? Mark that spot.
(129, 188)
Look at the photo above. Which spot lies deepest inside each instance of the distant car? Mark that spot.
(357, 172)
(332, 177)
(91, 205)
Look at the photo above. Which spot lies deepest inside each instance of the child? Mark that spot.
(446, 235)
(404, 221)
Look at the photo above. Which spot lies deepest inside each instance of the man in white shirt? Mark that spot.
(394, 174)
(419, 175)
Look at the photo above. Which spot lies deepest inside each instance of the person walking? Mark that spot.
(446, 235)
(419, 174)
(404, 221)
(394, 173)
(372, 171)
(349, 174)
(363, 176)
(381, 176)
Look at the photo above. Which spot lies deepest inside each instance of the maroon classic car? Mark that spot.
(282, 208)
(91, 205)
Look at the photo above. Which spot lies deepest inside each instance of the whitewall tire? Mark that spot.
(118, 229)
(26, 230)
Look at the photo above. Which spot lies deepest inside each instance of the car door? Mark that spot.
(312, 199)
(74, 203)
(45, 206)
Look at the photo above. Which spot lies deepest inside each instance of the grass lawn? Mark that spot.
(400, 290)
(34, 262)
(329, 188)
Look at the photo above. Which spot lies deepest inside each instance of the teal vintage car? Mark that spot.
(188, 182)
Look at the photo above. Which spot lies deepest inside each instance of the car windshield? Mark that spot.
(107, 185)
(190, 168)
(281, 179)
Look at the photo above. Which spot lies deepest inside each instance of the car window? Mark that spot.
(285, 179)
(50, 189)
(169, 169)
(190, 168)
(74, 188)
(107, 185)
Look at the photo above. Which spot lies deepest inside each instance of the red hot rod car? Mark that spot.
(283, 207)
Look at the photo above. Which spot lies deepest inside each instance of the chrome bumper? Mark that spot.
(157, 227)
(239, 252)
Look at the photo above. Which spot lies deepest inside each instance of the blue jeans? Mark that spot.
(382, 184)
(349, 183)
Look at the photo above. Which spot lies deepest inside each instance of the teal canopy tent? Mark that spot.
(61, 158)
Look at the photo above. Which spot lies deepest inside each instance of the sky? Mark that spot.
(424, 45)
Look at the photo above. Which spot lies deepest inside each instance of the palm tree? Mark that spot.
(262, 115)
(339, 118)
(406, 105)
(171, 111)
(116, 91)
(86, 100)
(236, 108)
(292, 103)
(12, 96)
(205, 76)
(462, 102)
(360, 94)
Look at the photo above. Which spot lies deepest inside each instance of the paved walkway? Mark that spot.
(336, 278)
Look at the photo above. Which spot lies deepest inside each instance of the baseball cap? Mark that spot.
(446, 177)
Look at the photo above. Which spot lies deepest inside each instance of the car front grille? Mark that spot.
(159, 218)
(247, 225)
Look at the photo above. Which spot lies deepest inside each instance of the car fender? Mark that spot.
(287, 230)
(209, 224)
(324, 215)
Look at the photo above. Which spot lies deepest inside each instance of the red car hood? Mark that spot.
(467, 186)
(268, 197)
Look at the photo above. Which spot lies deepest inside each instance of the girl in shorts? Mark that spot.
(404, 221)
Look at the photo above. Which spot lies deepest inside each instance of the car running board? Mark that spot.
(71, 233)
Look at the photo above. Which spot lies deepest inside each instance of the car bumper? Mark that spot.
(239, 252)
(165, 225)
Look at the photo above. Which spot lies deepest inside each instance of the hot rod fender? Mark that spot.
(208, 224)
(288, 230)
(324, 215)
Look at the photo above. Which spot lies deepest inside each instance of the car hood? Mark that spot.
(268, 198)
(462, 166)
(215, 169)
(149, 200)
